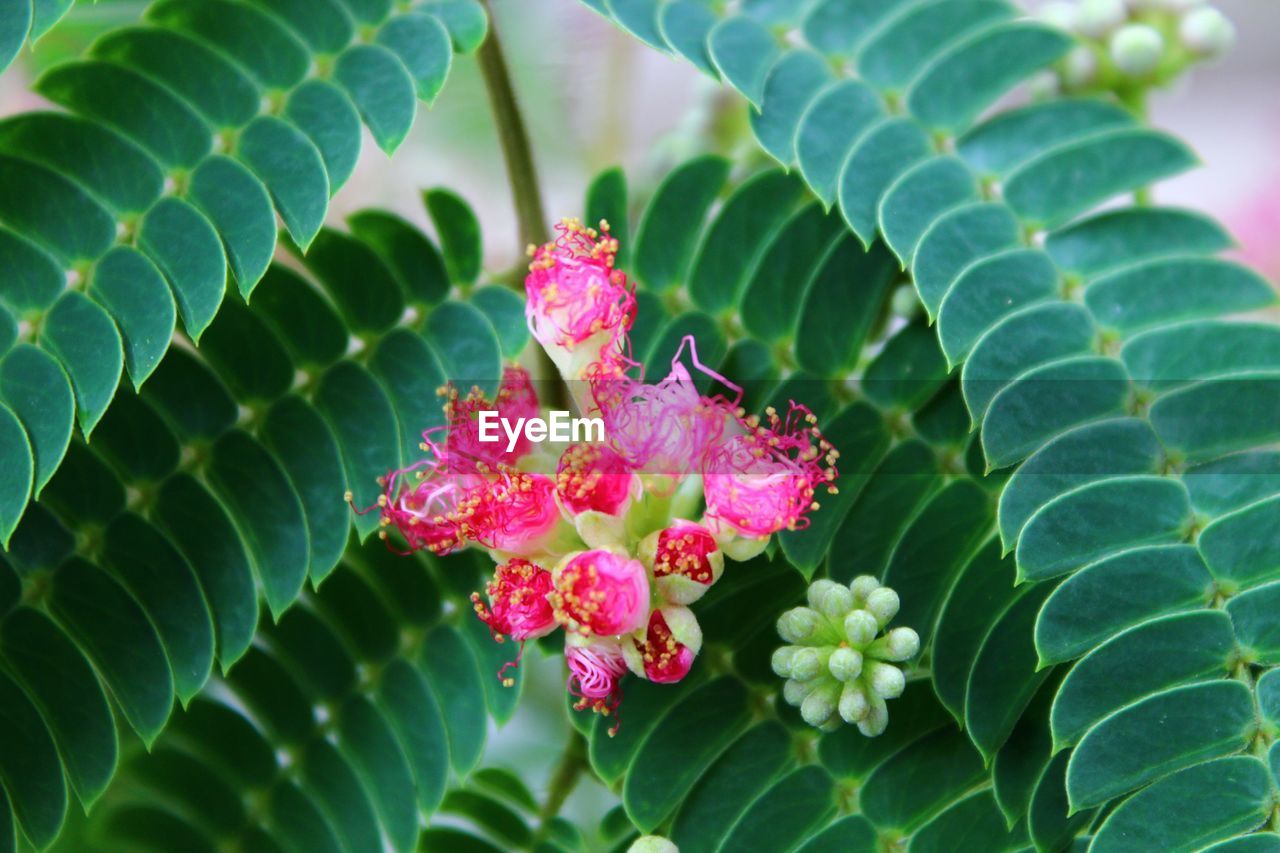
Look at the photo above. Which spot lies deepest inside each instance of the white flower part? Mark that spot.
(652, 844)
(1137, 49)
(819, 705)
(853, 705)
(806, 665)
(877, 718)
(860, 628)
(1207, 32)
(845, 664)
(885, 679)
(1099, 17)
(883, 605)
(793, 692)
(1061, 14)
(1080, 68)
(782, 660)
(861, 587)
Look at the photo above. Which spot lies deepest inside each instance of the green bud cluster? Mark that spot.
(1130, 46)
(841, 662)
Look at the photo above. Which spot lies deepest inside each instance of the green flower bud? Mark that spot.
(819, 705)
(806, 664)
(652, 844)
(845, 664)
(853, 705)
(898, 645)
(877, 718)
(1080, 68)
(799, 624)
(861, 587)
(1136, 49)
(1099, 17)
(833, 602)
(861, 628)
(1207, 32)
(781, 661)
(793, 692)
(885, 679)
(883, 605)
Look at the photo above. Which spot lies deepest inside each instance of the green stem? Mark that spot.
(513, 136)
(564, 778)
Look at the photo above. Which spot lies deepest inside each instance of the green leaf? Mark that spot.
(361, 285)
(414, 260)
(330, 778)
(916, 782)
(1253, 614)
(1108, 448)
(1004, 678)
(83, 338)
(488, 813)
(897, 51)
(289, 165)
(302, 316)
(62, 684)
(840, 306)
(638, 17)
(366, 737)
(918, 197)
(267, 511)
(29, 766)
(607, 201)
(247, 355)
(403, 695)
(828, 130)
(955, 240)
(1048, 400)
(36, 391)
(907, 372)
(451, 671)
(1157, 735)
(1011, 138)
(382, 90)
(1229, 483)
(493, 659)
(685, 26)
(239, 207)
(326, 26)
(791, 86)
(1049, 819)
(1186, 352)
(883, 152)
(855, 831)
(671, 758)
(422, 44)
(198, 524)
(507, 786)
(464, 341)
(505, 310)
(190, 395)
(1244, 546)
(1099, 519)
(738, 236)
(14, 25)
(672, 340)
(1157, 292)
(840, 26)
(1217, 417)
(744, 52)
(728, 788)
(301, 822)
(1146, 659)
(973, 823)
(671, 223)
(1200, 805)
(34, 279)
(465, 19)
(459, 232)
(1109, 596)
(1068, 180)
(969, 77)
(787, 813)
(646, 703)
(135, 440)
(126, 101)
(128, 285)
(987, 291)
(1024, 757)
(107, 623)
(184, 247)
(1116, 238)
(770, 305)
(256, 40)
(364, 424)
(410, 373)
(329, 120)
(57, 214)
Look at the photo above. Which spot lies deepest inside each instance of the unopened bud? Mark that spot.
(845, 664)
(793, 692)
(883, 605)
(818, 590)
(819, 705)
(861, 628)
(1060, 14)
(1207, 32)
(652, 844)
(835, 602)
(1080, 68)
(861, 587)
(877, 718)
(806, 664)
(853, 702)
(1136, 49)
(898, 645)
(1099, 17)
(782, 659)
(798, 624)
(885, 679)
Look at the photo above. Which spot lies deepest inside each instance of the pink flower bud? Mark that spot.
(596, 668)
(593, 477)
(518, 606)
(600, 593)
(579, 307)
(686, 561)
(763, 481)
(660, 655)
(515, 399)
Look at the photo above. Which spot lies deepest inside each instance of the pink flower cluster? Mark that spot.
(597, 538)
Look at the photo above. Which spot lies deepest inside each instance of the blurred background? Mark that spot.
(595, 98)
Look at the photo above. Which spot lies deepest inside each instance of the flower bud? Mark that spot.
(1207, 32)
(883, 605)
(877, 718)
(782, 660)
(885, 679)
(819, 705)
(1060, 14)
(793, 692)
(652, 844)
(861, 628)
(1136, 49)
(600, 593)
(686, 561)
(898, 645)
(1080, 68)
(806, 665)
(831, 599)
(518, 606)
(845, 664)
(664, 652)
(1099, 17)
(861, 587)
(799, 624)
(853, 702)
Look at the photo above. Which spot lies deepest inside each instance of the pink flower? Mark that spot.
(579, 307)
(764, 481)
(599, 593)
(514, 513)
(420, 501)
(662, 657)
(596, 668)
(686, 561)
(515, 399)
(593, 477)
(518, 606)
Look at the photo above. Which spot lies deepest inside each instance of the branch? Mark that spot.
(565, 777)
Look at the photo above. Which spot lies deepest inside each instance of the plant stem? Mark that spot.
(513, 136)
(565, 777)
